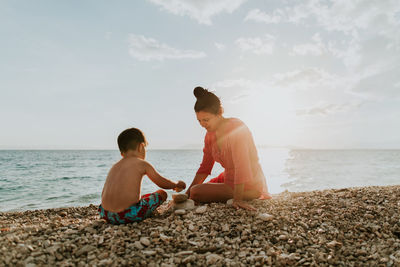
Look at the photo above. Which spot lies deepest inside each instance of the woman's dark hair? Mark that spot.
(130, 139)
(206, 101)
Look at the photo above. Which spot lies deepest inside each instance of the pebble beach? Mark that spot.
(338, 227)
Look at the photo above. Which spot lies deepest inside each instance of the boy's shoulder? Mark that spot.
(130, 163)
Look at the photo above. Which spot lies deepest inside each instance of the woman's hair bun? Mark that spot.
(199, 92)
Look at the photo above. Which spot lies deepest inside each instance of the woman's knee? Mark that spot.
(195, 192)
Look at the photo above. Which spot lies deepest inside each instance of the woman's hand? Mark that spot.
(237, 204)
(180, 185)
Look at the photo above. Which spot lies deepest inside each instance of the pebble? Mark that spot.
(179, 198)
(106, 262)
(212, 259)
(265, 216)
(189, 259)
(180, 212)
(283, 237)
(184, 253)
(333, 244)
(145, 241)
(138, 245)
(149, 252)
(85, 249)
(229, 202)
(201, 209)
(165, 238)
(187, 205)
(317, 228)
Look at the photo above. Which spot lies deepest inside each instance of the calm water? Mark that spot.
(48, 179)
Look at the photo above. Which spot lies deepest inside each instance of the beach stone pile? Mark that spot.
(346, 227)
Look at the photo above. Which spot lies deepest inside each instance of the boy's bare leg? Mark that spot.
(163, 194)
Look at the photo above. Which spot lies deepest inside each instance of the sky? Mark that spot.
(305, 74)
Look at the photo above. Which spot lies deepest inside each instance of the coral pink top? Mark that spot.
(238, 156)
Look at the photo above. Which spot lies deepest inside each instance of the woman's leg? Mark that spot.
(211, 192)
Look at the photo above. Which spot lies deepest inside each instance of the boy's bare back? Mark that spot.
(123, 183)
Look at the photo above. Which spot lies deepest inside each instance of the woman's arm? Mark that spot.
(206, 164)
(242, 164)
(238, 198)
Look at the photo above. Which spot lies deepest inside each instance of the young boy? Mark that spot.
(120, 200)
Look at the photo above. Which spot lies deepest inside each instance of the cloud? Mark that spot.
(316, 48)
(257, 45)
(235, 90)
(147, 49)
(307, 79)
(220, 46)
(339, 15)
(364, 37)
(328, 109)
(259, 16)
(200, 10)
(350, 52)
(380, 83)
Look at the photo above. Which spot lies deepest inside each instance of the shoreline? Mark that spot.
(350, 226)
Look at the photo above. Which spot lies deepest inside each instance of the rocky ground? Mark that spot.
(347, 227)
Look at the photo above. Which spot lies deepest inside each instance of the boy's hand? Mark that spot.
(180, 185)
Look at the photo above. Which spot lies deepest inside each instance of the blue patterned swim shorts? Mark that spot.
(135, 213)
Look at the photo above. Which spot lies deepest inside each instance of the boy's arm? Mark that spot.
(157, 178)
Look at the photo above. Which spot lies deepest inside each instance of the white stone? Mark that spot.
(138, 245)
(165, 238)
(149, 252)
(145, 241)
(180, 212)
(84, 249)
(184, 253)
(201, 209)
(187, 205)
(333, 244)
(179, 197)
(229, 202)
(265, 216)
(213, 258)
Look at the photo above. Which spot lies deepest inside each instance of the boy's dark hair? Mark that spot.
(206, 101)
(130, 139)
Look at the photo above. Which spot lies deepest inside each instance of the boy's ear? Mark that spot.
(141, 147)
(221, 111)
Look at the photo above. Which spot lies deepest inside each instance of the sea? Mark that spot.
(41, 179)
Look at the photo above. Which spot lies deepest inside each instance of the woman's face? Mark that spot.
(209, 121)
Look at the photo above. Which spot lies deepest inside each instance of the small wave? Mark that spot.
(54, 198)
(88, 197)
(74, 177)
(21, 167)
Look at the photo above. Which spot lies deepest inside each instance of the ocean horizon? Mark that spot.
(50, 178)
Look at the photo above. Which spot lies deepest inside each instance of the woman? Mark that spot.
(229, 142)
